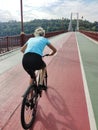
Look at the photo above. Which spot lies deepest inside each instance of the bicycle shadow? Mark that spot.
(50, 121)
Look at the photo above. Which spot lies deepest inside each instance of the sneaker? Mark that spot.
(39, 89)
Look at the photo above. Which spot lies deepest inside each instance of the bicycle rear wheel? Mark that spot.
(29, 107)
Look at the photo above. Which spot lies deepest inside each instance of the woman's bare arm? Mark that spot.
(23, 48)
(53, 49)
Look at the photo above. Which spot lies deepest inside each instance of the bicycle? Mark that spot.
(30, 100)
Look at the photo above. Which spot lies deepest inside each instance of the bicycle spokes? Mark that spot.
(28, 109)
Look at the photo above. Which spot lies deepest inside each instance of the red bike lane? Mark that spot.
(63, 107)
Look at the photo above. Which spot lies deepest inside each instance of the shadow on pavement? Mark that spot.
(60, 120)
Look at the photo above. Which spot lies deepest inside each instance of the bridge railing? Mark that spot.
(11, 42)
(93, 35)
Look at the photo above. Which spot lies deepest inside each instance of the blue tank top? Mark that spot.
(36, 45)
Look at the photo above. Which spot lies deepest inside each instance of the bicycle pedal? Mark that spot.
(27, 104)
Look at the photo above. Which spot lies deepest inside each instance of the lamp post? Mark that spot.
(21, 8)
(62, 23)
(22, 35)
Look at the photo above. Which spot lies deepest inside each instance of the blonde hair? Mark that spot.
(39, 32)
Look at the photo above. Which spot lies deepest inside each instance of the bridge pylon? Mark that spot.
(70, 28)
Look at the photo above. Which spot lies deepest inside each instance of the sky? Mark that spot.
(48, 9)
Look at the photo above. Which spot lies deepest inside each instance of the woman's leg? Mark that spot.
(30, 81)
(42, 74)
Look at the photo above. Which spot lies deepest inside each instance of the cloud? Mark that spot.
(5, 16)
(50, 9)
(62, 8)
(89, 10)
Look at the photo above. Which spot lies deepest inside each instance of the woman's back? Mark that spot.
(36, 45)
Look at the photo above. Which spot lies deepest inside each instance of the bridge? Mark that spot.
(71, 102)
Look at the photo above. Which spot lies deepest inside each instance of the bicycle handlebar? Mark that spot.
(45, 55)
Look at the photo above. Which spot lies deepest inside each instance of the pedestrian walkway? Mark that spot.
(67, 98)
(89, 52)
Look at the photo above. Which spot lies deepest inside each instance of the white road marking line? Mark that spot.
(87, 95)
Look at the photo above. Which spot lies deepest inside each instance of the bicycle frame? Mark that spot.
(30, 99)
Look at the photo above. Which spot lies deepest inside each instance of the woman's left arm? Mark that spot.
(23, 48)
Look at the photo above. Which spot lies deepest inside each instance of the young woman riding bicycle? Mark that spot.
(33, 52)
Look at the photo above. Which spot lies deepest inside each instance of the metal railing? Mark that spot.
(9, 43)
(93, 35)
(12, 42)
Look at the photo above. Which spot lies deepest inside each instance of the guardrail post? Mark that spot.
(7, 43)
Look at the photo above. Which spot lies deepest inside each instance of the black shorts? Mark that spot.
(32, 62)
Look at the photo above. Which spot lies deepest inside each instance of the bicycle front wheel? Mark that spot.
(29, 107)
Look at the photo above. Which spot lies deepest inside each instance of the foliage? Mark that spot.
(14, 28)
